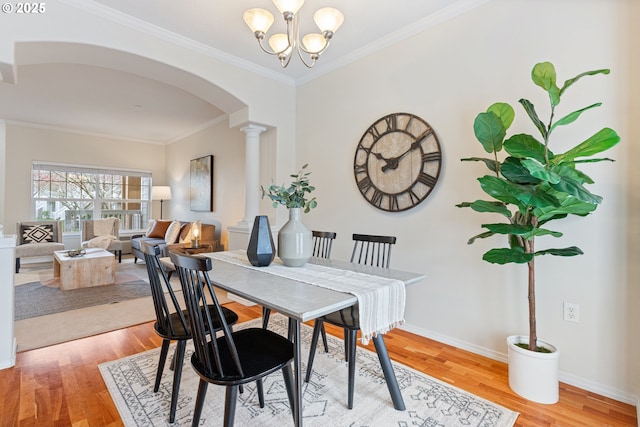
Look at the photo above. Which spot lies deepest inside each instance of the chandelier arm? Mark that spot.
(314, 57)
(270, 52)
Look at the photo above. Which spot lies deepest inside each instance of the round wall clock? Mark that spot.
(397, 162)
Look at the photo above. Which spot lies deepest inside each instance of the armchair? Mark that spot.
(37, 238)
(102, 233)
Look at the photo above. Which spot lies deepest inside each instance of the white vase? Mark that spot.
(533, 375)
(295, 240)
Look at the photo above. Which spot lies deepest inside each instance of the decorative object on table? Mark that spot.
(78, 252)
(162, 193)
(201, 179)
(295, 244)
(283, 45)
(397, 162)
(531, 187)
(261, 249)
(196, 228)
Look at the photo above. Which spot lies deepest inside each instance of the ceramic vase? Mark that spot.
(295, 242)
(261, 249)
(533, 375)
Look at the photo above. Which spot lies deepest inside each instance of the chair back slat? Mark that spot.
(157, 277)
(198, 294)
(322, 242)
(372, 250)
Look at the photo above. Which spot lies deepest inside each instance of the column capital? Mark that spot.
(252, 128)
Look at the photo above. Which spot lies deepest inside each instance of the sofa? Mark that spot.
(38, 238)
(164, 233)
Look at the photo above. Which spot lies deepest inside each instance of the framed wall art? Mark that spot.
(201, 175)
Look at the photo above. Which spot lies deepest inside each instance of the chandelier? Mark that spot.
(312, 45)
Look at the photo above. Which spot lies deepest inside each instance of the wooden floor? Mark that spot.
(61, 385)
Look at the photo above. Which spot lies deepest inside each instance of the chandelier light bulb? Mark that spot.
(292, 6)
(279, 43)
(314, 42)
(328, 19)
(258, 20)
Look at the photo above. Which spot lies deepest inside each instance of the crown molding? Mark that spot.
(113, 15)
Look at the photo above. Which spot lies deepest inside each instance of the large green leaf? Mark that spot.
(490, 131)
(569, 205)
(543, 198)
(513, 170)
(597, 143)
(570, 82)
(531, 111)
(526, 231)
(570, 251)
(504, 111)
(480, 236)
(485, 206)
(490, 163)
(544, 75)
(506, 256)
(538, 170)
(507, 192)
(572, 117)
(523, 145)
(575, 188)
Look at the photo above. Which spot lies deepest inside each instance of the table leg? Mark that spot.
(294, 327)
(389, 374)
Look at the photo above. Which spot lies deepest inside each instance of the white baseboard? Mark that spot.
(567, 378)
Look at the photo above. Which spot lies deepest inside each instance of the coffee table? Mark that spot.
(96, 267)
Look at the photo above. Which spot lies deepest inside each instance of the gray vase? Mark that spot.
(295, 243)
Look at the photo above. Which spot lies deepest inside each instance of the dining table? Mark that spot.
(301, 301)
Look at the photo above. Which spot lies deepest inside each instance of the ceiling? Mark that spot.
(124, 105)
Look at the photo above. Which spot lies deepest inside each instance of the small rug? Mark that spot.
(38, 299)
(429, 402)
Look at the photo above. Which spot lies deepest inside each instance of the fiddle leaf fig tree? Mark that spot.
(528, 184)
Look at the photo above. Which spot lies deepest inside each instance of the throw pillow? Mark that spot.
(37, 233)
(159, 229)
(172, 233)
(185, 233)
(150, 227)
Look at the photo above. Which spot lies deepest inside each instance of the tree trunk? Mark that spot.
(533, 335)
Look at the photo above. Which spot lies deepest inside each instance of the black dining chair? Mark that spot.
(172, 322)
(367, 250)
(229, 359)
(322, 244)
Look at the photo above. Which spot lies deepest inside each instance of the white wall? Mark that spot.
(447, 75)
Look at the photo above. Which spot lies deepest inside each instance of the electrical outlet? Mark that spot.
(571, 312)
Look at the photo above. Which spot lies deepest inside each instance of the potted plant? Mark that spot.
(294, 238)
(529, 188)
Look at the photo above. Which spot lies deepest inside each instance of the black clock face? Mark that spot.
(397, 162)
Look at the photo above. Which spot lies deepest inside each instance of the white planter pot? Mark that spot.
(295, 240)
(533, 375)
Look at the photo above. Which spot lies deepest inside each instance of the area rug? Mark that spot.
(39, 299)
(429, 402)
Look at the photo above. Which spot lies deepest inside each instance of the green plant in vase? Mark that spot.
(532, 185)
(295, 195)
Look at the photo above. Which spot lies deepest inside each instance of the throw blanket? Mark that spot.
(103, 227)
(100, 242)
(381, 301)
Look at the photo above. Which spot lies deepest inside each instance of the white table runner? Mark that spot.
(381, 301)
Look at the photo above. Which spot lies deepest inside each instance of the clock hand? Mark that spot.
(393, 162)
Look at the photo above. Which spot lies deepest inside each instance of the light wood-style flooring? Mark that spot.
(61, 385)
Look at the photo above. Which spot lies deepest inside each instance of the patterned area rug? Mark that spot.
(429, 402)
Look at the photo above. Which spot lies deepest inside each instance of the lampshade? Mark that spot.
(328, 19)
(314, 42)
(292, 6)
(279, 42)
(258, 19)
(160, 192)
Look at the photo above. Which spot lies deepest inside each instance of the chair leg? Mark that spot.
(177, 374)
(163, 358)
(17, 265)
(120, 257)
(230, 405)
(135, 260)
(347, 344)
(352, 365)
(324, 339)
(197, 411)
(317, 326)
(260, 389)
(287, 373)
(266, 312)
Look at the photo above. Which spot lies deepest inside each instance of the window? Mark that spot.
(77, 193)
